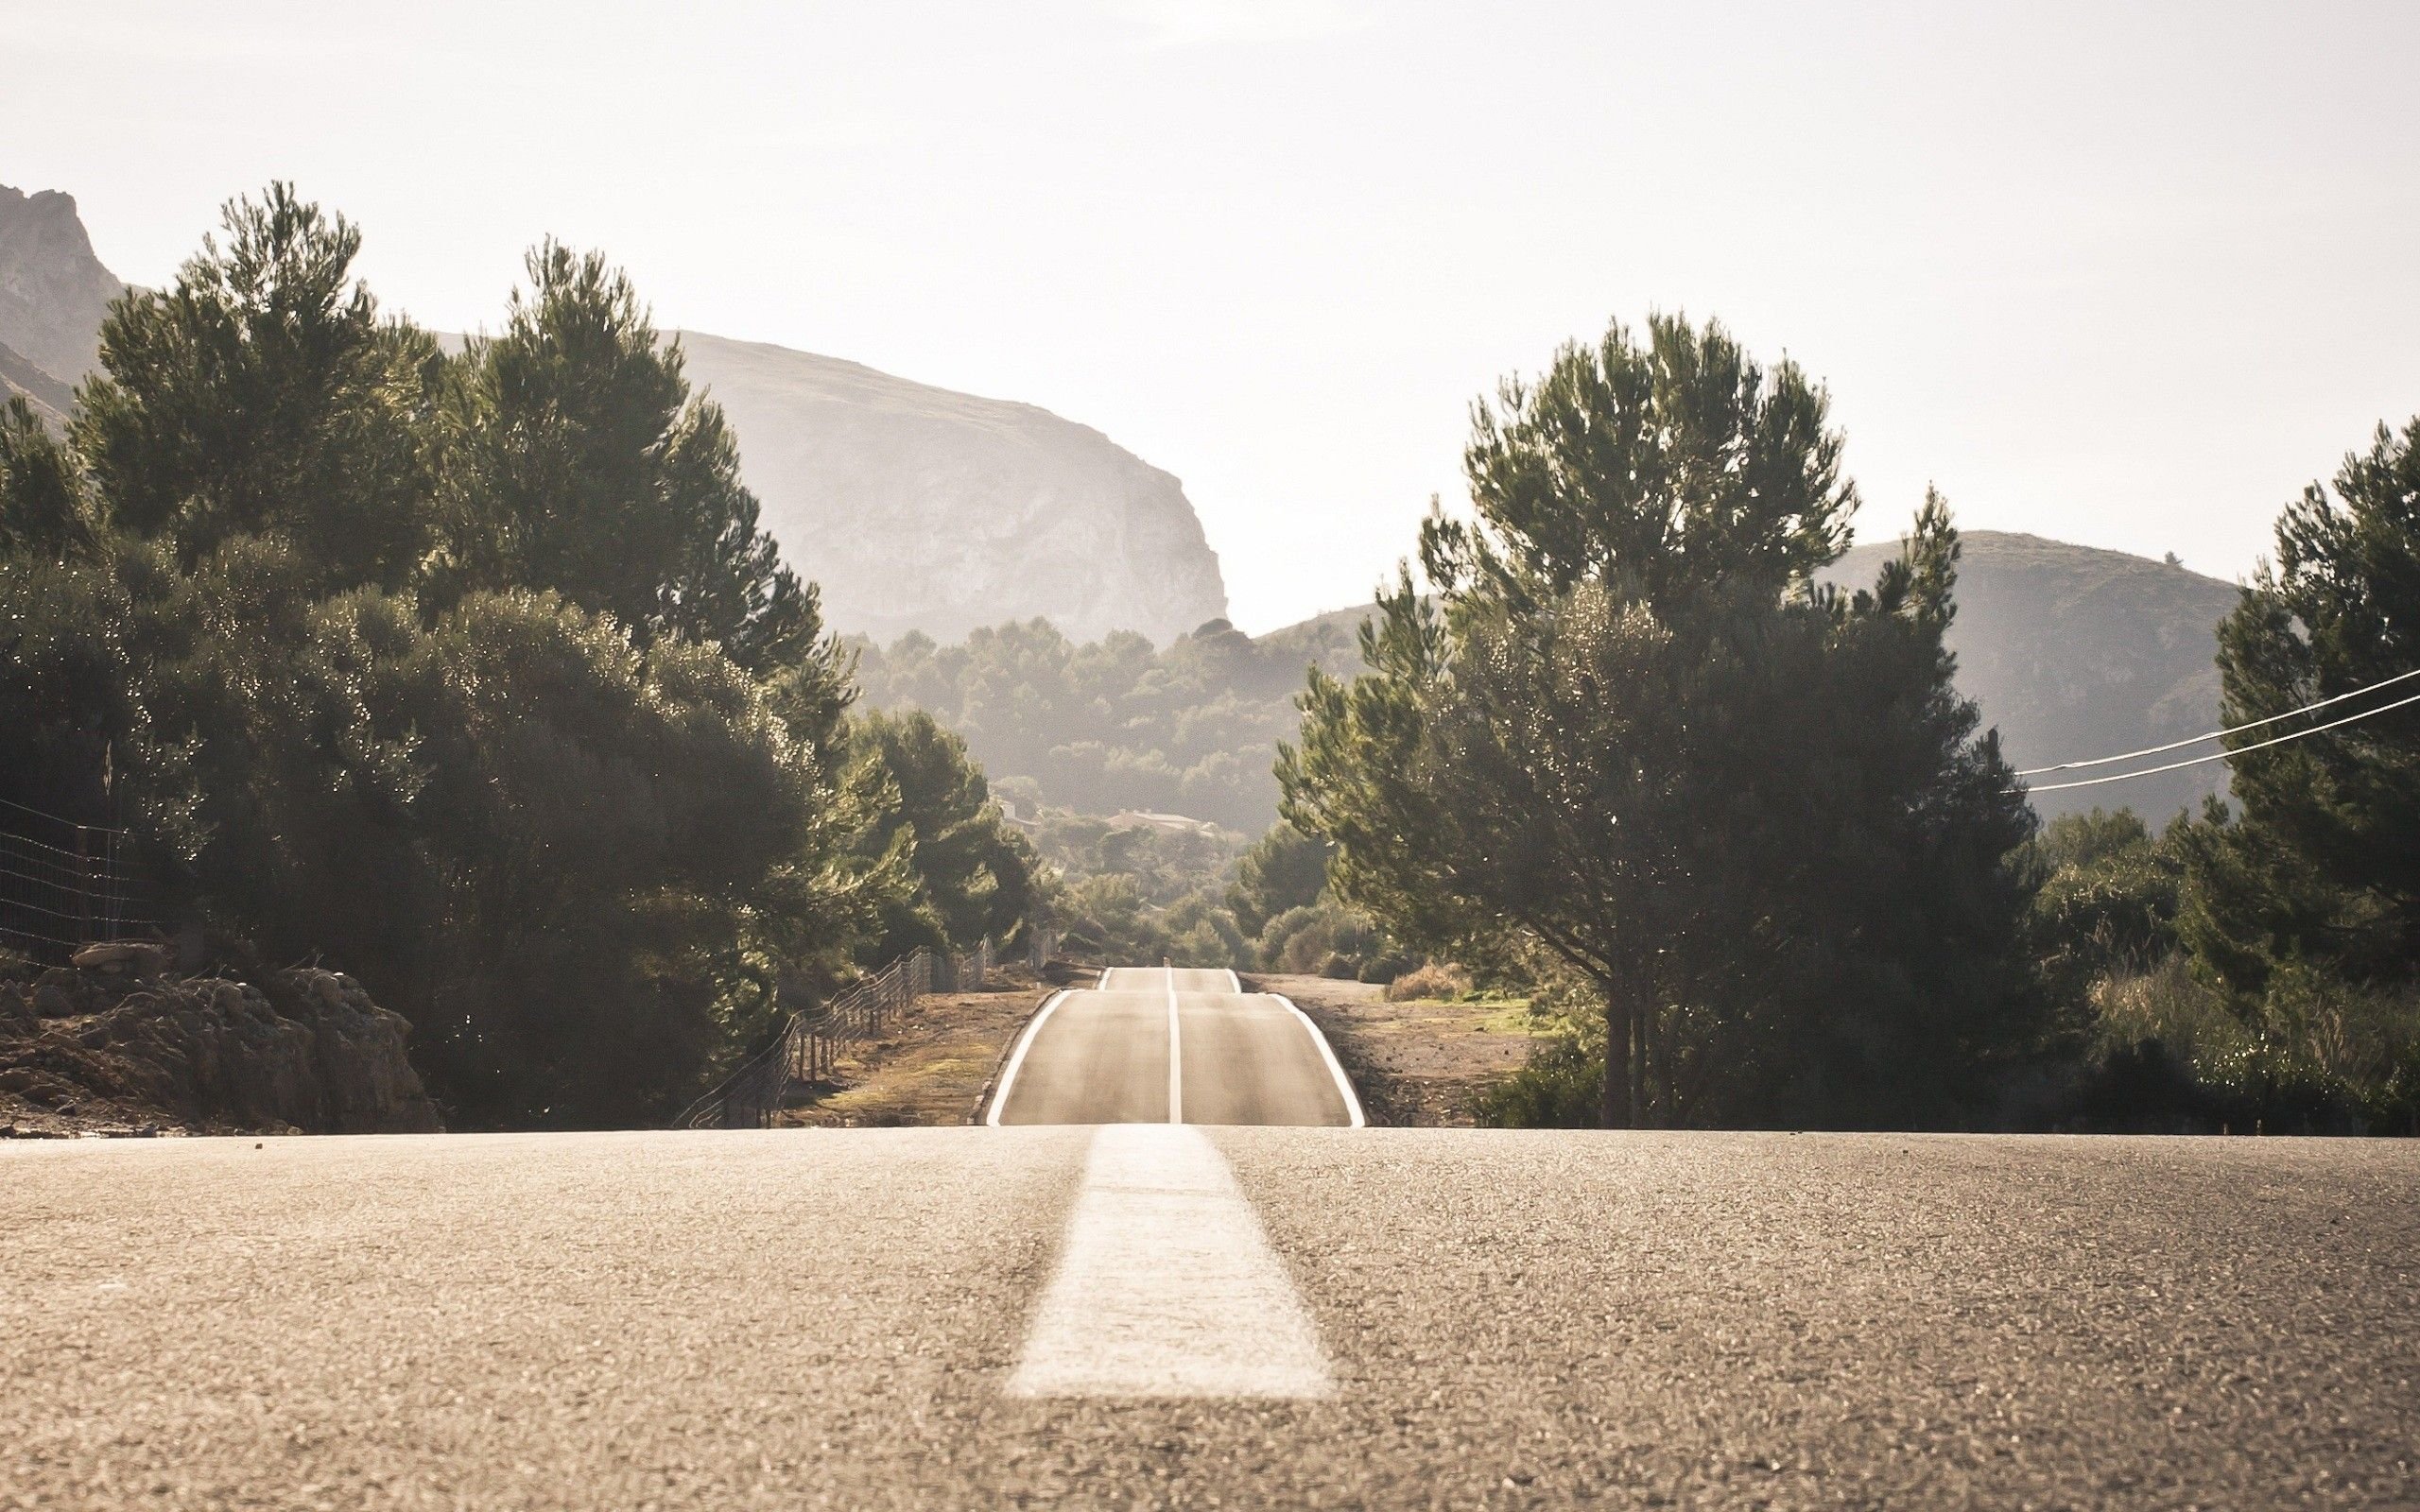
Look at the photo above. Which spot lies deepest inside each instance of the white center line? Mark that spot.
(1176, 1057)
(1167, 1285)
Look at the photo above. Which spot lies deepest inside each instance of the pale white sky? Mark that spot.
(2126, 275)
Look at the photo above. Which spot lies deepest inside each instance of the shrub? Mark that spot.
(1561, 1087)
(1434, 980)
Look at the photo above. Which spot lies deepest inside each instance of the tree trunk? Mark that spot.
(1621, 1109)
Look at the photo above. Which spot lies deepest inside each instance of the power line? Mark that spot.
(2215, 734)
(2222, 755)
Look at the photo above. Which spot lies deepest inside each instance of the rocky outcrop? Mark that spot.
(914, 507)
(918, 508)
(53, 290)
(120, 1046)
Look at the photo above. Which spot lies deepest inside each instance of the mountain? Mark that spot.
(53, 290)
(915, 509)
(2075, 652)
(19, 377)
(918, 508)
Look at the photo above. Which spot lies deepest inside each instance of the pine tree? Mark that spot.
(577, 459)
(265, 395)
(1627, 734)
(2324, 864)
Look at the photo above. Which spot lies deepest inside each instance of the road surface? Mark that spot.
(1151, 1313)
(1154, 1045)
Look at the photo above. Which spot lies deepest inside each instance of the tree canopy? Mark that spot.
(471, 676)
(263, 394)
(1628, 734)
(577, 459)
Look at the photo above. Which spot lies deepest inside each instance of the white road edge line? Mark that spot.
(1343, 1083)
(1103, 986)
(1235, 983)
(1176, 1057)
(1016, 1059)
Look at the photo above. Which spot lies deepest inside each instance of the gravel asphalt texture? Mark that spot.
(812, 1318)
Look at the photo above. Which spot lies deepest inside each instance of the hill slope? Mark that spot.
(2076, 652)
(918, 508)
(20, 378)
(2072, 652)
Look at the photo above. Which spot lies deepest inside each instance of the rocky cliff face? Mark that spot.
(914, 507)
(53, 290)
(918, 508)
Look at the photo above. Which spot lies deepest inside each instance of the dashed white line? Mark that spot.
(1016, 1058)
(1167, 1285)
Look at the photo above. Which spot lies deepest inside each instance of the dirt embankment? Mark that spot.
(132, 1050)
(1423, 1064)
(932, 1066)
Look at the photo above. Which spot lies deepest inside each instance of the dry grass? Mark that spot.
(1434, 981)
(1421, 1063)
(931, 1068)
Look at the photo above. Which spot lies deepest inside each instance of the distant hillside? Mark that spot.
(2072, 652)
(2075, 652)
(53, 290)
(20, 378)
(918, 508)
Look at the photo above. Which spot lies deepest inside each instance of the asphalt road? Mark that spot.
(1350, 1317)
(1153, 1045)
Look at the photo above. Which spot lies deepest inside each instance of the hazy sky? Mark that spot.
(2127, 275)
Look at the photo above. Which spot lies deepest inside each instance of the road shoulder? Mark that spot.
(1418, 1064)
(933, 1065)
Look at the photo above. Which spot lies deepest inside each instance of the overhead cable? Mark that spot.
(2222, 755)
(2215, 734)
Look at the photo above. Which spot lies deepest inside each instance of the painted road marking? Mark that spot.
(1335, 1068)
(1176, 1057)
(1167, 1285)
(1016, 1058)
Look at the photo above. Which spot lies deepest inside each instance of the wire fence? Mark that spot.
(809, 1046)
(64, 886)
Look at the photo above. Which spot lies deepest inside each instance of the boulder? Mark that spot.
(308, 1050)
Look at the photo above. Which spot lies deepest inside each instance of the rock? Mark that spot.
(53, 290)
(135, 957)
(309, 1051)
(915, 508)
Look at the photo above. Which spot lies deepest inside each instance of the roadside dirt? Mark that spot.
(931, 1068)
(1419, 1064)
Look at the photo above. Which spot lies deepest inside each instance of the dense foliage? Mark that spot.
(473, 676)
(2262, 968)
(1114, 726)
(1628, 738)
